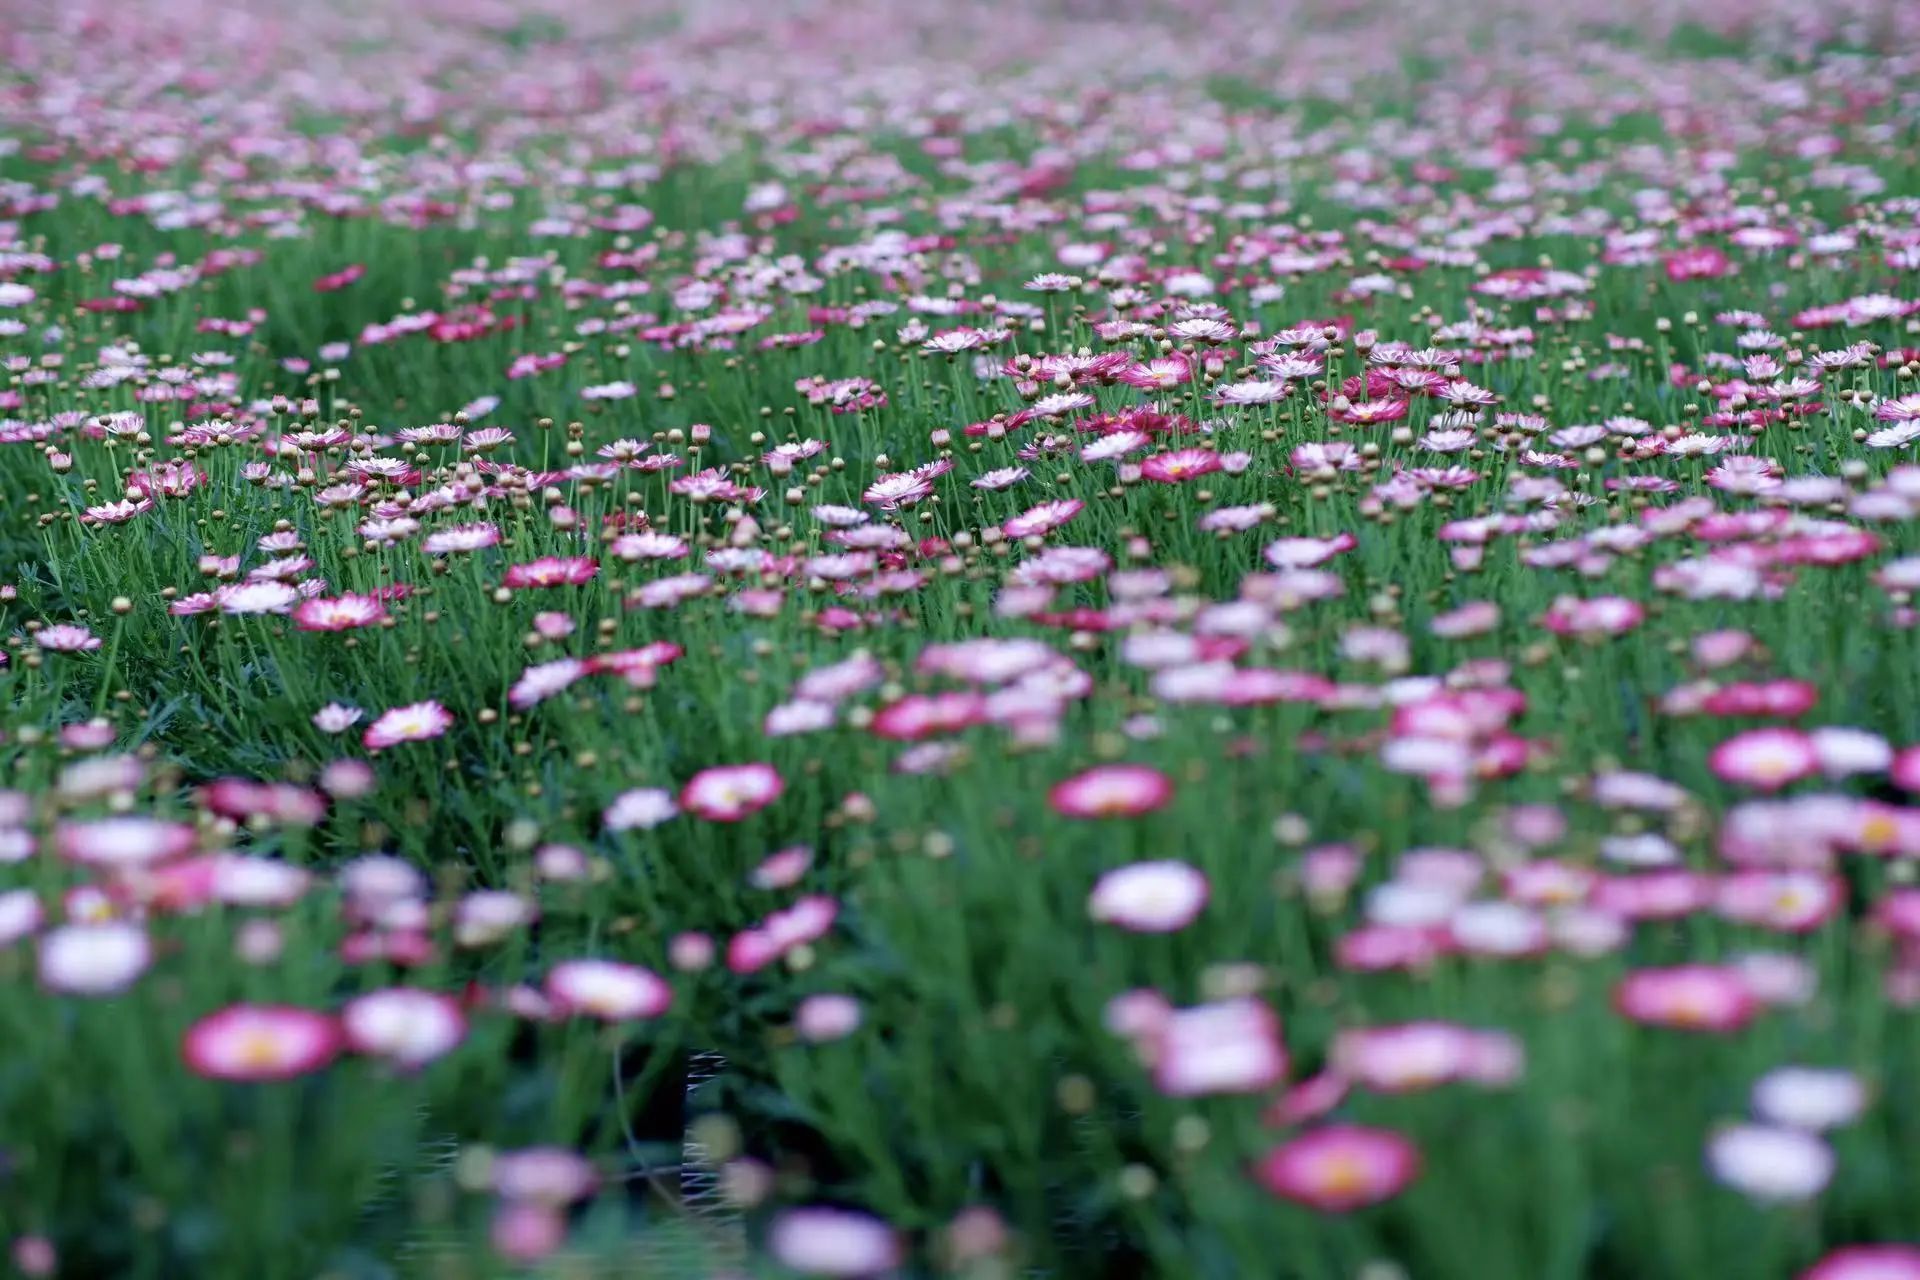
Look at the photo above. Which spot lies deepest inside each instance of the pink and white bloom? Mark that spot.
(1339, 1168)
(1811, 1098)
(336, 718)
(416, 722)
(1765, 759)
(256, 1042)
(1231, 1046)
(341, 613)
(1774, 1165)
(553, 1176)
(407, 1026)
(1904, 772)
(1867, 1262)
(122, 843)
(834, 1242)
(21, 912)
(1688, 997)
(820, 1018)
(608, 990)
(1149, 897)
(1112, 791)
(66, 637)
(642, 808)
(729, 793)
(99, 959)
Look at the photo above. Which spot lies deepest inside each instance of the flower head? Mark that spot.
(1339, 1168)
(257, 1042)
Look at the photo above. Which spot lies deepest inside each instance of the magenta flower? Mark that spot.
(416, 722)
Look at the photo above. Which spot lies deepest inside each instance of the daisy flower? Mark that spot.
(336, 717)
(406, 1026)
(552, 571)
(341, 613)
(608, 990)
(834, 1242)
(1149, 897)
(1689, 997)
(640, 809)
(416, 722)
(100, 959)
(124, 842)
(66, 637)
(729, 793)
(1769, 1164)
(1112, 791)
(255, 1042)
(1813, 1099)
(1339, 1168)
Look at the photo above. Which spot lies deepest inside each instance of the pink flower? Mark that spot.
(1232, 1046)
(94, 959)
(1404, 1058)
(729, 793)
(782, 869)
(406, 1026)
(552, 571)
(65, 637)
(834, 1242)
(416, 722)
(1772, 698)
(642, 808)
(1589, 619)
(1767, 759)
(545, 680)
(821, 1018)
(543, 1175)
(1308, 1100)
(1867, 1262)
(1180, 465)
(1044, 518)
(256, 1042)
(1380, 947)
(21, 913)
(1713, 649)
(1905, 770)
(608, 990)
(1339, 1168)
(339, 614)
(1770, 1164)
(1149, 897)
(123, 842)
(244, 598)
(1696, 263)
(1307, 553)
(1692, 997)
(526, 1231)
(336, 718)
(918, 716)
(461, 538)
(1791, 900)
(1112, 791)
(805, 921)
(34, 1256)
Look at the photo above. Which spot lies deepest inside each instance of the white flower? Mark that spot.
(1810, 1098)
(1771, 1164)
(643, 807)
(93, 959)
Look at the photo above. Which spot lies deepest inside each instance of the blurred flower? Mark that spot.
(1340, 1168)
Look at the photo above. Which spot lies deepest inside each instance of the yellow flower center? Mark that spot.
(1343, 1175)
(259, 1049)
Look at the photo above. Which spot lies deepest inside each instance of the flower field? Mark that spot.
(1170, 639)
